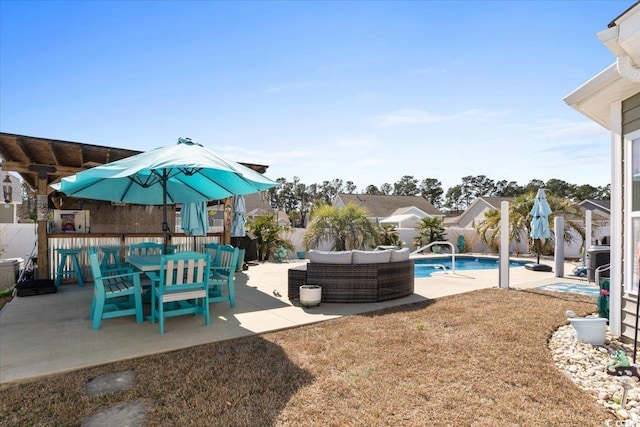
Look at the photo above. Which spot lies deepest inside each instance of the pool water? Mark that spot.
(424, 267)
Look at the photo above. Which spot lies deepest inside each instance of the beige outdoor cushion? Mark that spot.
(400, 255)
(330, 257)
(371, 257)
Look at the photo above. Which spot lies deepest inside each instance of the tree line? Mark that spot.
(297, 198)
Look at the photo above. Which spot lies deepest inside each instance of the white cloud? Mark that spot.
(572, 130)
(415, 116)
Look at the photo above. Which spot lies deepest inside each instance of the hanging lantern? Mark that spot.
(7, 189)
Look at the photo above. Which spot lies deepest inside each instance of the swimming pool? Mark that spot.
(425, 266)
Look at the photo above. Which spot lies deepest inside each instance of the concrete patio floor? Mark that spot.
(50, 334)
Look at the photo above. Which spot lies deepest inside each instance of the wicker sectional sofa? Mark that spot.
(355, 276)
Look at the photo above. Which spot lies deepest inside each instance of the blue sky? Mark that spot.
(360, 91)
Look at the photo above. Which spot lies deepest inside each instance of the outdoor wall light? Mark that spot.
(627, 385)
(7, 190)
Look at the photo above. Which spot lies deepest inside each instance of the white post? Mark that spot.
(587, 235)
(558, 225)
(504, 245)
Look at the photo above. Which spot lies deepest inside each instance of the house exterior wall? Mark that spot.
(631, 114)
(630, 124)
(7, 214)
(474, 215)
(17, 240)
(412, 210)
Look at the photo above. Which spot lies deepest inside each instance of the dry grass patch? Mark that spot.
(478, 359)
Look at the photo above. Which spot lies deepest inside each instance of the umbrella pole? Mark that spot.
(538, 247)
(165, 225)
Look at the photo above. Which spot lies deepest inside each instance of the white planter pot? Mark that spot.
(310, 295)
(592, 330)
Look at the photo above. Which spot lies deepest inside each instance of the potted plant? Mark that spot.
(269, 236)
(591, 330)
(310, 295)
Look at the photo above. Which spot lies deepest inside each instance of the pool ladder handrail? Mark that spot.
(453, 253)
(436, 266)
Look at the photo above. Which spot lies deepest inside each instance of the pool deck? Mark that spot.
(50, 334)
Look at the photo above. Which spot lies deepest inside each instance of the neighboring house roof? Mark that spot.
(282, 218)
(495, 201)
(410, 210)
(382, 206)
(476, 210)
(600, 210)
(258, 204)
(257, 201)
(593, 204)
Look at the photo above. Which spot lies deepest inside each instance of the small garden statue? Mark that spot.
(622, 367)
(621, 359)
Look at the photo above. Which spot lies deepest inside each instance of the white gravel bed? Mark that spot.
(586, 365)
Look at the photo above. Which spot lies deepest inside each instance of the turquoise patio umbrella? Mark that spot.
(185, 172)
(540, 219)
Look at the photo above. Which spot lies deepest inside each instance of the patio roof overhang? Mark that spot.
(29, 156)
(620, 80)
(594, 98)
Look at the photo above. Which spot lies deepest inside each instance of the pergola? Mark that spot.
(41, 161)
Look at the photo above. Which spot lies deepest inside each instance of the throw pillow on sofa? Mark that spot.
(400, 255)
(371, 257)
(330, 257)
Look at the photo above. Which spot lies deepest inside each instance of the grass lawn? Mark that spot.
(474, 359)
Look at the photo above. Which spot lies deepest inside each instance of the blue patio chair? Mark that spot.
(212, 250)
(115, 293)
(222, 275)
(146, 248)
(181, 288)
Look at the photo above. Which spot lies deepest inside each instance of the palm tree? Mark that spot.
(345, 228)
(429, 230)
(520, 221)
(267, 232)
(388, 235)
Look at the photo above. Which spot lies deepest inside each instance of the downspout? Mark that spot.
(627, 68)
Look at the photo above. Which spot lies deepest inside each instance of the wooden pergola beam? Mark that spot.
(26, 168)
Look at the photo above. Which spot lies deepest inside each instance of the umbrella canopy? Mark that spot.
(195, 220)
(540, 219)
(239, 211)
(182, 173)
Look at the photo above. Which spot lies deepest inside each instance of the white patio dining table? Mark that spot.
(145, 263)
